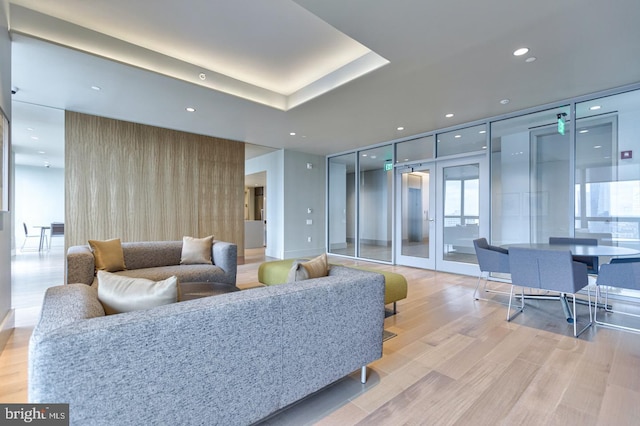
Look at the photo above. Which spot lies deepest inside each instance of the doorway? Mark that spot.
(440, 207)
(255, 210)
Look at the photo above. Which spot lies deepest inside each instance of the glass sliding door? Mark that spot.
(461, 212)
(415, 205)
(342, 205)
(462, 203)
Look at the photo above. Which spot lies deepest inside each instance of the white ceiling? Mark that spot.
(453, 56)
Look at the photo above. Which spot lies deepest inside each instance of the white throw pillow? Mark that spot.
(196, 250)
(119, 293)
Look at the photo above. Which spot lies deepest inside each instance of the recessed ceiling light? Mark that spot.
(374, 156)
(505, 101)
(96, 88)
(597, 147)
(484, 147)
(595, 107)
(364, 155)
(190, 109)
(41, 152)
(530, 59)
(583, 131)
(482, 132)
(30, 129)
(35, 138)
(449, 115)
(457, 136)
(406, 159)
(292, 134)
(521, 51)
(400, 128)
(202, 76)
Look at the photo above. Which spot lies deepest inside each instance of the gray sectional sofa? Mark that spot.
(157, 260)
(231, 359)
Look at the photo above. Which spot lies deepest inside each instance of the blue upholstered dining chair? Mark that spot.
(551, 270)
(590, 261)
(620, 273)
(490, 259)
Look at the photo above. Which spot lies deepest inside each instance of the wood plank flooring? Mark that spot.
(455, 361)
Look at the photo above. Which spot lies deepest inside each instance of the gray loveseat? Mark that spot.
(157, 260)
(231, 359)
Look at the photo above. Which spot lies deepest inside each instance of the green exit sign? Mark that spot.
(561, 124)
(388, 167)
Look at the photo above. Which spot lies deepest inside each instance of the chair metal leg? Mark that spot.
(575, 317)
(485, 278)
(509, 317)
(363, 374)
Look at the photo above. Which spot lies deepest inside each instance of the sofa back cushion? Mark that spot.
(151, 254)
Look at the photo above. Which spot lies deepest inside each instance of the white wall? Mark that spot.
(304, 188)
(273, 165)
(292, 188)
(6, 313)
(39, 195)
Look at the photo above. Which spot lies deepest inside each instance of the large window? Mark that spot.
(607, 176)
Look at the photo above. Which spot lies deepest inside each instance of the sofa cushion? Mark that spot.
(108, 255)
(119, 293)
(191, 273)
(196, 250)
(314, 268)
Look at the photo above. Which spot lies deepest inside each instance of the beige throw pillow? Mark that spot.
(196, 250)
(119, 293)
(314, 268)
(108, 255)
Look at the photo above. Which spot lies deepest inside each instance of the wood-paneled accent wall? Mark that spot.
(144, 183)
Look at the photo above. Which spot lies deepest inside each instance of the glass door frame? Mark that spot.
(485, 211)
(406, 260)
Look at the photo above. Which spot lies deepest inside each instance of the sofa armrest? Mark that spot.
(66, 304)
(80, 267)
(225, 256)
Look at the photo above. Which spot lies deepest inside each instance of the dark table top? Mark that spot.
(196, 290)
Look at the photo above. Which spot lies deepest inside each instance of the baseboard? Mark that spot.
(296, 254)
(6, 328)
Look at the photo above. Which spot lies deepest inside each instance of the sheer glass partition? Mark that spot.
(342, 204)
(607, 176)
(470, 139)
(375, 206)
(530, 177)
(415, 150)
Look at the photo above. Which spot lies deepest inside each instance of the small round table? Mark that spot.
(196, 290)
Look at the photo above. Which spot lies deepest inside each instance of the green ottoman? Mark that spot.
(276, 272)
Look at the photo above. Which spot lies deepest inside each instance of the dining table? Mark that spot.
(43, 235)
(576, 250)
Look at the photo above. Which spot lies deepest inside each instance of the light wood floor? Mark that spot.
(454, 361)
